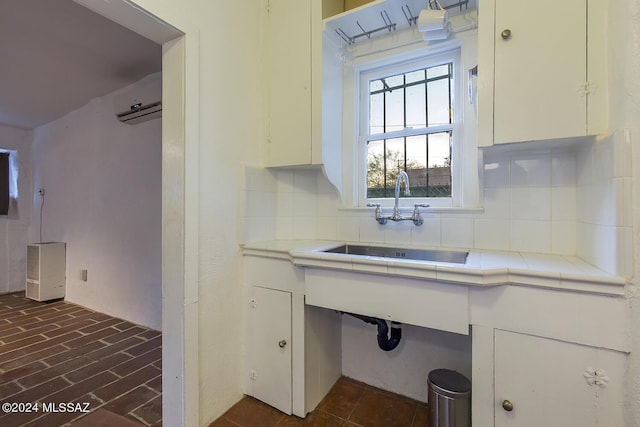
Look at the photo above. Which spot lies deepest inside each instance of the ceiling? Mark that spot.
(56, 55)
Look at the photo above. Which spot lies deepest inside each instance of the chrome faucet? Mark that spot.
(415, 217)
(401, 176)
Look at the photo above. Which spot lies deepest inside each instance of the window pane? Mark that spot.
(376, 114)
(394, 81)
(375, 85)
(439, 172)
(416, 110)
(375, 169)
(438, 106)
(394, 110)
(440, 70)
(417, 165)
(439, 149)
(415, 76)
(394, 161)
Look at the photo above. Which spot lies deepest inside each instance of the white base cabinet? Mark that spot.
(292, 351)
(270, 347)
(540, 356)
(546, 382)
(548, 358)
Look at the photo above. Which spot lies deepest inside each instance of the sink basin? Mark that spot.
(457, 257)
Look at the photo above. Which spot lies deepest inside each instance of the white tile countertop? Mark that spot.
(482, 268)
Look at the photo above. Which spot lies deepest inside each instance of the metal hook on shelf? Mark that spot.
(388, 25)
(387, 21)
(408, 15)
(364, 32)
(344, 36)
(459, 4)
(435, 5)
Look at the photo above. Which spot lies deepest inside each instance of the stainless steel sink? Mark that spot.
(436, 255)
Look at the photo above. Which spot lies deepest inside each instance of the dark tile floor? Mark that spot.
(60, 353)
(349, 404)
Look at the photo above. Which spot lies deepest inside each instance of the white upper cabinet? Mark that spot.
(288, 73)
(541, 70)
(302, 74)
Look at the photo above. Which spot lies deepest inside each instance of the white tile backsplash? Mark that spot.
(497, 203)
(492, 234)
(348, 228)
(370, 230)
(564, 201)
(285, 181)
(305, 181)
(531, 203)
(285, 203)
(398, 233)
(327, 227)
(429, 233)
(457, 232)
(304, 204)
(531, 169)
(496, 170)
(563, 237)
(530, 236)
(563, 168)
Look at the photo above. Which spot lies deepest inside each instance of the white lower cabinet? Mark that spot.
(546, 382)
(292, 351)
(270, 348)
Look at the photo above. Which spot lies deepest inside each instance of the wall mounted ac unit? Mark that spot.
(46, 265)
(142, 103)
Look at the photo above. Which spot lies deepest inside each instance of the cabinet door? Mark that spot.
(540, 70)
(288, 73)
(553, 383)
(270, 347)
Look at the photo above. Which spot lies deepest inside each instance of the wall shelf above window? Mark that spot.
(380, 17)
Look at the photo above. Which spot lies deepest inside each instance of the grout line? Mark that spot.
(229, 421)
(415, 413)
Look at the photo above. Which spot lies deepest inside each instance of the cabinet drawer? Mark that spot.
(415, 302)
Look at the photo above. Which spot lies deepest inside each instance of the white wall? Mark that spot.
(102, 182)
(14, 227)
(228, 113)
(403, 370)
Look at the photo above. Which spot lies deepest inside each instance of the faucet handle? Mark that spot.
(416, 217)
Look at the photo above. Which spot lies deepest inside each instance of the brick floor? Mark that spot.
(59, 353)
(349, 403)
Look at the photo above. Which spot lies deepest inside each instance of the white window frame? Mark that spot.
(406, 66)
(388, 51)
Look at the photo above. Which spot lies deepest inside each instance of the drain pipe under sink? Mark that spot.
(385, 342)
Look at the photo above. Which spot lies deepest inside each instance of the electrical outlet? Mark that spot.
(41, 191)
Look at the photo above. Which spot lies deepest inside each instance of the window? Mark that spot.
(4, 183)
(408, 116)
(8, 181)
